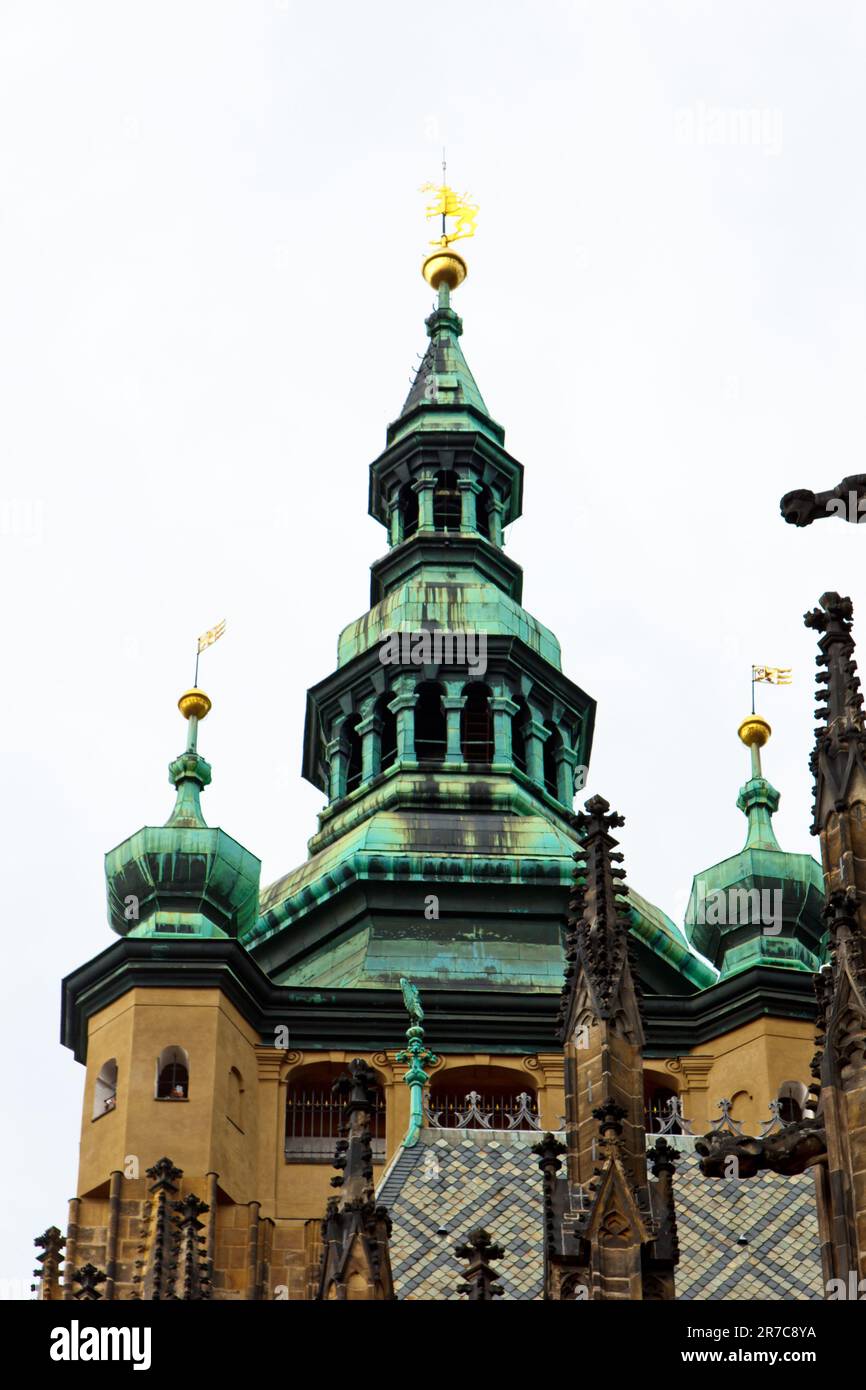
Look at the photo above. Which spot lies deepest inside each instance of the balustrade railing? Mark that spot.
(477, 1111)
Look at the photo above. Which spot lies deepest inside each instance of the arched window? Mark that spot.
(353, 747)
(657, 1109)
(476, 725)
(551, 744)
(172, 1074)
(315, 1114)
(482, 512)
(518, 739)
(447, 502)
(409, 510)
(482, 1098)
(792, 1097)
(388, 736)
(235, 1098)
(429, 723)
(105, 1091)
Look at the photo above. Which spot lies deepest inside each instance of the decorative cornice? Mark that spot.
(503, 1023)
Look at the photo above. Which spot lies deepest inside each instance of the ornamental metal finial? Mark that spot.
(416, 1054)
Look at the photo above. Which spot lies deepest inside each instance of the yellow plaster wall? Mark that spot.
(747, 1065)
(196, 1133)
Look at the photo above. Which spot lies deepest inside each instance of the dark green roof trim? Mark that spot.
(429, 550)
(674, 1025)
(507, 1023)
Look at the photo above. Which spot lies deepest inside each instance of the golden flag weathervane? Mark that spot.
(770, 675)
(206, 640)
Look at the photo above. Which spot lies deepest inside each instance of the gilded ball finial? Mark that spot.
(754, 730)
(194, 702)
(444, 267)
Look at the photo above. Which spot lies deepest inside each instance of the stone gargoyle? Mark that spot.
(791, 1150)
(848, 500)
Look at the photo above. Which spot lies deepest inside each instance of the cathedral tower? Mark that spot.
(448, 744)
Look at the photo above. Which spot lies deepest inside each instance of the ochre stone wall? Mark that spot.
(747, 1065)
(245, 1150)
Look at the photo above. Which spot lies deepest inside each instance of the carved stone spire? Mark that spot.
(51, 1243)
(192, 1283)
(599, 917)
(658, 1278)
(549, 1150)
(839, 758)
(157, 1249)
(600, 1223)
(479, 1250)
(356, 1261)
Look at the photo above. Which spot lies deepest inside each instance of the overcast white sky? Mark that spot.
(210, 308)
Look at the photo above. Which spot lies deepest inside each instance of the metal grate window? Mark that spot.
(315, 1119)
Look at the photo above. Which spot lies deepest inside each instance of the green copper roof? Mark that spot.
(761, 906)
(184, 876)
(444, 395)
(354, 915)
(452, 596)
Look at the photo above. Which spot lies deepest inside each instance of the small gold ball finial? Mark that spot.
(754, 730)
(444, 266)
(194, 703)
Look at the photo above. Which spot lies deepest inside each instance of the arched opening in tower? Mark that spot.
(429, 723)
(482, 513)
(388, 736)
(172, 1074)
(105, 1091)
(409, 510)
(518, 738)
(447, 503)
(353, 744)
(315, 1114)
(476, 725)
(551, 744)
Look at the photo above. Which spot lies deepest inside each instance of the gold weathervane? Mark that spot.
(194, 701)
(763, 675)
(772, 675)
(212, 635)
(446, 204)
(444, 266)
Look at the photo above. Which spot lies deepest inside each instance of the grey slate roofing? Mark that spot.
(455, 1180)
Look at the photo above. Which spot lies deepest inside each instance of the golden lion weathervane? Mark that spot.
(444, 265)
(450, 204)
